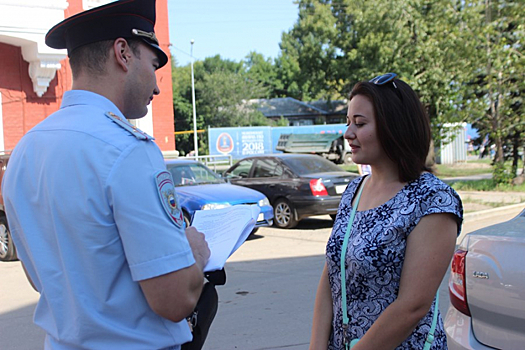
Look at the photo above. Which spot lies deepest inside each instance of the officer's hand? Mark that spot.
(198, 245)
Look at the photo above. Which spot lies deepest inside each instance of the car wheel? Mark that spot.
(283, 213)
(7, 247)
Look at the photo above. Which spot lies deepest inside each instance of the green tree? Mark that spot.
(222, 100)
(306, 63)
(182, 107)
(222, 88)
(497, 89)
(440, 47)
(262, 71)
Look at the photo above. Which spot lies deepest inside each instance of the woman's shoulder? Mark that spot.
(352, 186)
(355, 183)
(434, 193)
(432, 183)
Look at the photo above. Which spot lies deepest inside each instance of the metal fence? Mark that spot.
(214, 162)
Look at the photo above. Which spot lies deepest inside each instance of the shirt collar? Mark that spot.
(83, 97)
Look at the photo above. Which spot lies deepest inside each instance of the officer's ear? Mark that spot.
(123, 53)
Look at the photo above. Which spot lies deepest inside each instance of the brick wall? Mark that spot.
(163, 118)
(22, 108)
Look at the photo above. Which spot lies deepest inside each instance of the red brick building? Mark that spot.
(34, 77)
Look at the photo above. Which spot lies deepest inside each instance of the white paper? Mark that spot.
(225, 230)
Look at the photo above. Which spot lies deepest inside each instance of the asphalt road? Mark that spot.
(267, 302)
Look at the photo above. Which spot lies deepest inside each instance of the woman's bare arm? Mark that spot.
(429, 250)
(322, 321)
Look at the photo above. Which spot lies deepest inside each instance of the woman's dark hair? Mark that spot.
(402, 125)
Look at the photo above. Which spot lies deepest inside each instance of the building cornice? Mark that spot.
(24, 23)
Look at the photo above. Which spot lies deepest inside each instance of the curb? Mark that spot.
(488, 213)
(493, 212)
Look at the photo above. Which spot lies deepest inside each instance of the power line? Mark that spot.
(176, 48)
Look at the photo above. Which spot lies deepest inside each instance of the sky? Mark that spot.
(230, 28)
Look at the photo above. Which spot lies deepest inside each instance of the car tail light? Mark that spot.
(317, 187)
(457, 284)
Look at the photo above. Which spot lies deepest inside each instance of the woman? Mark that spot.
(403, 234)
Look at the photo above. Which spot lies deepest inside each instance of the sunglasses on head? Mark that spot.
(384, 79)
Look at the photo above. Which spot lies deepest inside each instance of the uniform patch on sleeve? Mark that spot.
(168, 197)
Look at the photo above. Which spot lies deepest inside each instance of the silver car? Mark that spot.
(487, 289)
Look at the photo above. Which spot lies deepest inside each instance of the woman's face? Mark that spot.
(361, 133)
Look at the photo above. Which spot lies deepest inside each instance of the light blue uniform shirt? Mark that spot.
(88, 222)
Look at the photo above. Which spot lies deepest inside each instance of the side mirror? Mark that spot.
(230, 176)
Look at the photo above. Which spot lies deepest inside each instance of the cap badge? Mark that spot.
(150, 35)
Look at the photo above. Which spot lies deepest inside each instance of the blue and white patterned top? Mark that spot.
(376, 251)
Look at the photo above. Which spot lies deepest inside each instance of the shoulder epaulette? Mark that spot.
(123, 123)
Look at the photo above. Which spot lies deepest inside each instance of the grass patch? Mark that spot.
(469, 208)
(351, 168)
(447, 170)
(486, 185)
(441, 170)
(470, 168)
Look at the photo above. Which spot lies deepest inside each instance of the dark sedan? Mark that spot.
(297, 185)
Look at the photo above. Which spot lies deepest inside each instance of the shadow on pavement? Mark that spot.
(313, 223)
(266, 304)
(253, 237)
(18, 330)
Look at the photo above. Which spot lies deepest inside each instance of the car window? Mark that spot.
(310, 165)
(192, 174)
(267, 167)
(242, 169)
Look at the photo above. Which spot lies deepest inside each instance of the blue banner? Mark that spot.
(245, 141)
(240, 142)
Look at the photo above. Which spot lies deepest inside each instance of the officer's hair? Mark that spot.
(91, 58)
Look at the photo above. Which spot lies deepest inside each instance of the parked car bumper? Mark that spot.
(460, 335)
(315, 206)
(265, 217)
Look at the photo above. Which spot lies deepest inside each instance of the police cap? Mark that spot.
(120, 19)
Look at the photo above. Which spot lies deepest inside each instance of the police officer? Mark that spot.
(91, 206)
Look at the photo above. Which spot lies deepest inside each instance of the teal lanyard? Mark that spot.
(343, 259)
(346, 320)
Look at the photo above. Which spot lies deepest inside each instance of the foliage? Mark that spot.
(222, 88)
(336, 43)
(486, 185)
(497, 89)
(446, 170)
(182, 108)
(350, 167)
(222, 100)
(463, 57)
(263, 72)
(500, 175)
